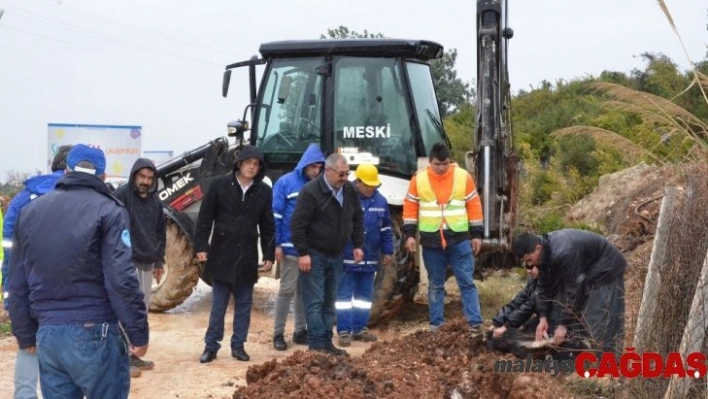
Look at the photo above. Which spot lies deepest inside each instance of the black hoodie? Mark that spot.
(237, 219)
(147, 220)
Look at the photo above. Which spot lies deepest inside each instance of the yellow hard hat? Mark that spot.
(368, 174)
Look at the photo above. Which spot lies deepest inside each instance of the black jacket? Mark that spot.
(232, 254)
(320, 223)
(147, 220)
(71, 262)
(525, 304)
(574, 262)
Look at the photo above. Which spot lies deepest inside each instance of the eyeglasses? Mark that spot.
(340, 174)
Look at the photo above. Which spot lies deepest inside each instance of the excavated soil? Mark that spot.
(621, 196)
(449, 363)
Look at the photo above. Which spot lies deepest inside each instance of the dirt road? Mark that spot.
(177, 341)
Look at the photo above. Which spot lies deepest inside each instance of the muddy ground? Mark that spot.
(408, 361)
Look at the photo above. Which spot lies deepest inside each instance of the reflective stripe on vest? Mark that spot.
(432, 215)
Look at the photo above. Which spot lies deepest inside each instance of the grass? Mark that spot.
(5, 327)
(591, 387)
(497, 290)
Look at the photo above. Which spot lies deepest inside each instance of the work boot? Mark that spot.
(140, 363)
(365, 336)
(477, 330)
(333, 350)
(345, 339)
(300, 337)
(279, 342)
(135, 372)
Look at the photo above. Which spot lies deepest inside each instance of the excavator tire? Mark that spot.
(395, 284)
(181, 273)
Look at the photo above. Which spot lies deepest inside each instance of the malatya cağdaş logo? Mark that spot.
(629, 365)
(646, 365)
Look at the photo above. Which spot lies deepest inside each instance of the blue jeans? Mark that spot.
(459, 257)
(356, 292)
(26, 375)
(319, 292)
(243, 297)
(83, 359)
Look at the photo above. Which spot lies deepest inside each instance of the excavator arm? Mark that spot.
(493, 161)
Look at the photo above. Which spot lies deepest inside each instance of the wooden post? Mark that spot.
(694, 335)
(421, 296)
(642, 332)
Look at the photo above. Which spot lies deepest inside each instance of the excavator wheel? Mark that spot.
(396, 283)
(181, 273)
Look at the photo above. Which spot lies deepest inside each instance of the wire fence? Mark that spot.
(674, 304)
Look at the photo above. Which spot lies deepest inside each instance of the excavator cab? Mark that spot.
(371, 100)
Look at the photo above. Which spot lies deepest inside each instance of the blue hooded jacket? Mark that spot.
(35, 186)
(285, 192)
(378, 235)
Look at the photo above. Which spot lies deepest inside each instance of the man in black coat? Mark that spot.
(328, 213)
(588, 273)
(238, 206)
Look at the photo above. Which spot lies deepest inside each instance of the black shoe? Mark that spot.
(300, 337)
(240, 354)
(207, 356)
(279, 342)
(334, 351)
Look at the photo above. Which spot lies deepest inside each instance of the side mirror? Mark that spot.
(237, 128)
(225, 83)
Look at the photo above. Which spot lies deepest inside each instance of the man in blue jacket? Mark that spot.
(2, 250)
(69, 297)
(356, 288)
(26, 362)
(285, 192)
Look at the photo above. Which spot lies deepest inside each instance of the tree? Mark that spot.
(344, 33)
(451, 91)
(16, 177)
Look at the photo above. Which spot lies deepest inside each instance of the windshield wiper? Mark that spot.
(439, 127)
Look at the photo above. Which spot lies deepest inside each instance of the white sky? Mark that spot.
(159, 63)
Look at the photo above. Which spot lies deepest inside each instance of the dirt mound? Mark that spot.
(605, 207)
(450, 363)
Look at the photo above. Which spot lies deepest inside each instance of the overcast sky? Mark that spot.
(158, 63)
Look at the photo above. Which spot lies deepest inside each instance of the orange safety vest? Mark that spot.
(432, 215)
